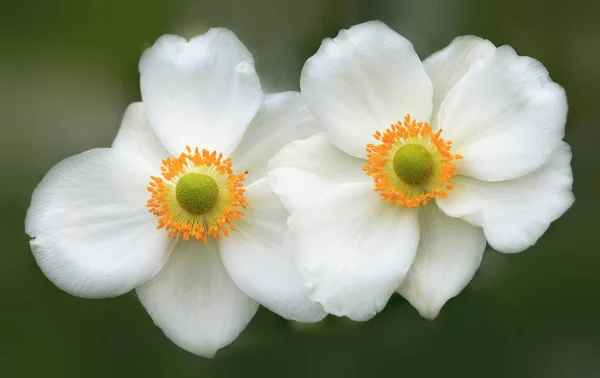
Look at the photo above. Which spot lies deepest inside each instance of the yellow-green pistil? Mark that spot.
(413, 164)
(196, 193)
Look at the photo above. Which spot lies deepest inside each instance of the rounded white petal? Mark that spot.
(193, 300)
(446, 67)
(362, 81)
(449, 254)
(136, 135)
(515, 213)
(202, 93)
(260, 264)
(92, 234)
(505, 117)
(282, 119)
(304, 169)
(354, 249)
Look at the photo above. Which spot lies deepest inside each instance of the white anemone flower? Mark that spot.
(419, 164)
(180, 207)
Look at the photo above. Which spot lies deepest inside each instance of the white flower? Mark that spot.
(382, 202)
(109, 220)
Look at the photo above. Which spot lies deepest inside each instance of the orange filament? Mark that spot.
(380, 167)
(218, 220)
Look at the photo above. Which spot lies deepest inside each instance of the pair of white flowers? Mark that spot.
(386, 174)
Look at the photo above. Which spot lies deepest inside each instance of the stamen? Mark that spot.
(198, 196)
(411, 164)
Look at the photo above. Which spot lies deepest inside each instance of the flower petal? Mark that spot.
(362, 81)
(354, 249)
(193, 300)
(304, 169)
(446, 67)
(260, 264)
(514, 214)
(202, 93)
(282, 119)
(505, 116)
(449, 254)
(92, 234)
(136, 135)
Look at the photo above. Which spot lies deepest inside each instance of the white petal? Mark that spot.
(505, 116)
(446, 67)
(260, 264)
(362, 81)
(193, 300)
(282, 119)
(514, 214)
(92, 234)
(449, 253)
(136, 135)
(354, 249)
(202, 93)
(304, 169)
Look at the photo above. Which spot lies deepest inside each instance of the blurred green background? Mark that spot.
(68, 69)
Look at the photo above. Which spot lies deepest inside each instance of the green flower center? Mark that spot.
(196, 193)
(413, 164)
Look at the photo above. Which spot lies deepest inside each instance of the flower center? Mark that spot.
(411, 164)
(198, 196)
(196, 193)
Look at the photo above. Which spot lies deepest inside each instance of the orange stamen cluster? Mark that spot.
(218, 221)
(380, 156)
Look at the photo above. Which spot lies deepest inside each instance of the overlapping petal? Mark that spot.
(449, 254)
(515, 213)
(353, 248)
(260, 263)
(195, 302)
(304, 169)
(200, 93)
(92, 234)
(283, 118)
(447, 66)
(505, 116)
(137, 136)
(362, 81)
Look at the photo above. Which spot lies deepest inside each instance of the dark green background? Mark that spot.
(68, 69)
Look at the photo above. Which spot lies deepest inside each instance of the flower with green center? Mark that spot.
(180, 208)
(418, 166)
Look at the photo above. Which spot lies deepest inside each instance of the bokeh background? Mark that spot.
(68, 69)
